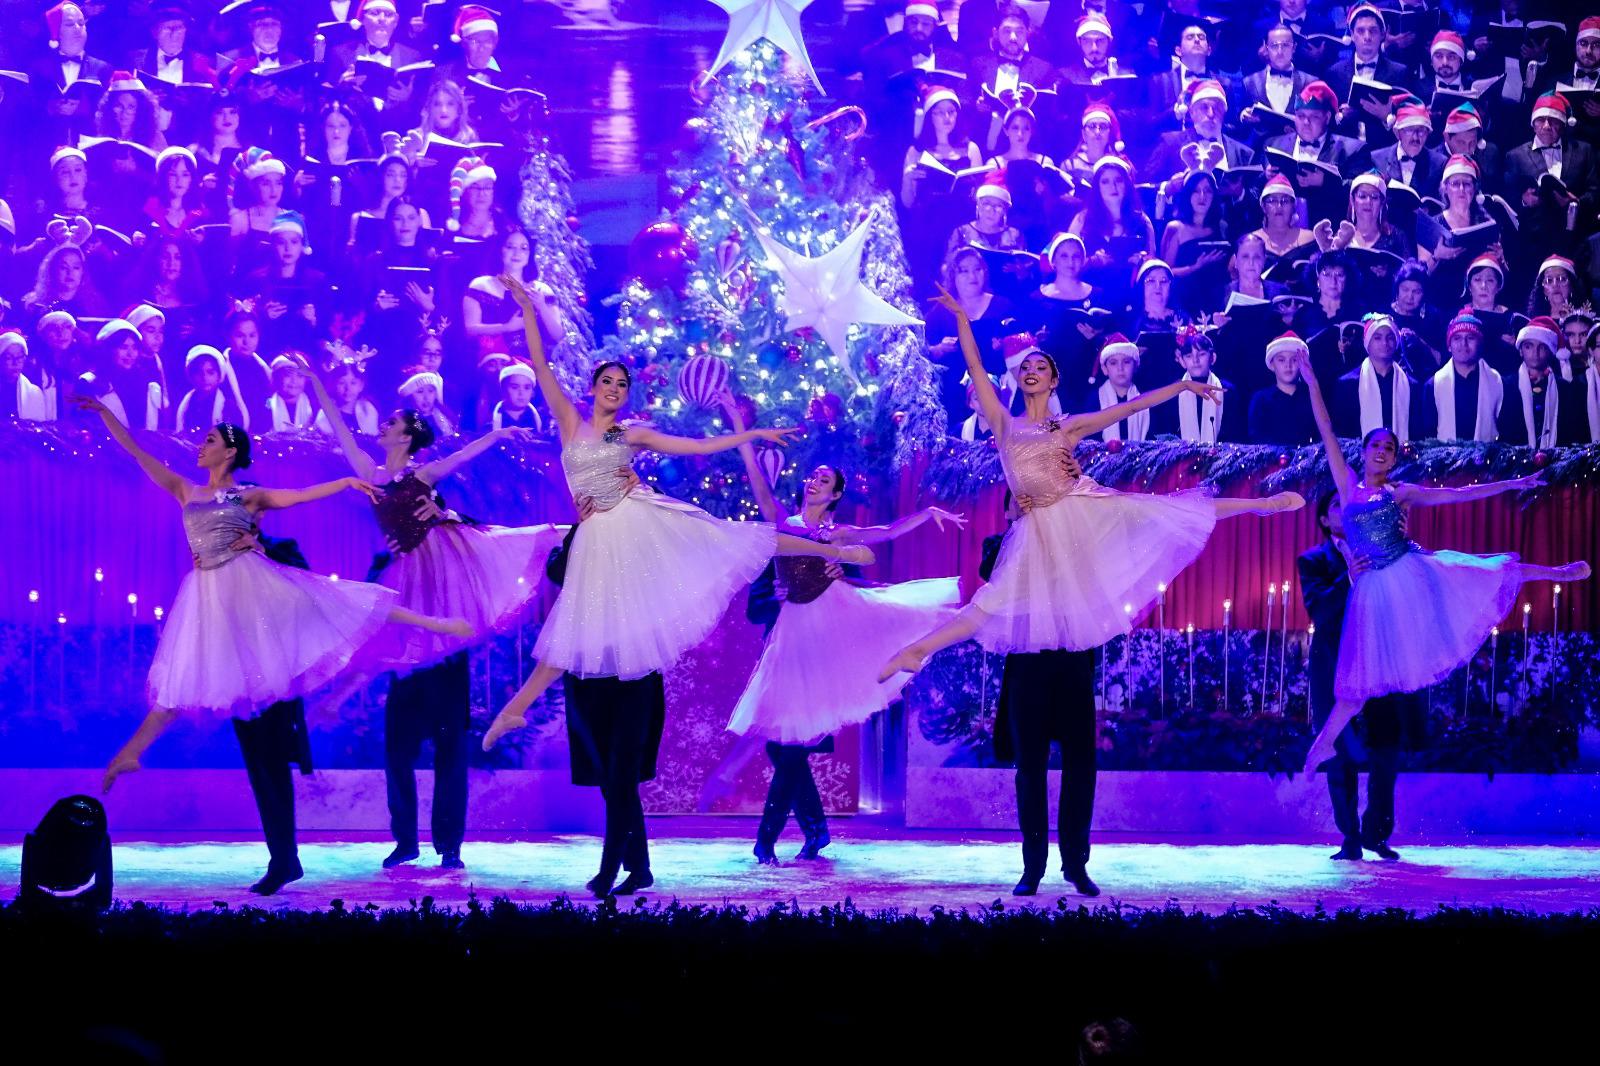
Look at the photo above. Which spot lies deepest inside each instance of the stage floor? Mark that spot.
(876, 869)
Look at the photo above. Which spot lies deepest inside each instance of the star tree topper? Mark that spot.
(826, 293)
(776, 20)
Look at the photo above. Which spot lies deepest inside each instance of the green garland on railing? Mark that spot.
(962, 469)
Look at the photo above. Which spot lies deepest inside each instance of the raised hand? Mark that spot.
(950, 303)
(519, 293)
(85, 402)
(1202, 388)
(940, 516)
(780, 437)
(366, 488)
(518, 433)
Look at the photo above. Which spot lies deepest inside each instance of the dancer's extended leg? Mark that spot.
(855, 554)
(511, 715)
(1322, 748)
(453, 626)
(1228, 507)
(126, 761)
(1571, 572)
(911, 657)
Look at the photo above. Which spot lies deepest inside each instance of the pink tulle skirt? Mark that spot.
(1419, 618)
(485, 574)
(251, 632)
(819, 669)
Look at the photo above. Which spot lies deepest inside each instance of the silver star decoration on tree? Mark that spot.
(776, 20)
(826, 293)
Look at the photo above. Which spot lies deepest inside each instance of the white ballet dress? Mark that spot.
(1416, 615)
(245, 632)
(819, 669)
(648, 576)
(1084, 564)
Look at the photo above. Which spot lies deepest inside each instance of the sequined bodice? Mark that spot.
(591, 466)
(213, 525)
(804, 576)
(1375, 528)
(396, 510)
(1031, 456)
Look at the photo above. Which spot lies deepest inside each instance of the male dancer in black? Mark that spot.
(1048, 696)
(1384, 726)
(614, 733)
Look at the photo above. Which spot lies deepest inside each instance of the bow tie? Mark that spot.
(72, 59)
(1556, 148)
(1311, 146)
(376, 50)
(263, 57)
(1281, 75)
(1366, 68)
(1453, 86)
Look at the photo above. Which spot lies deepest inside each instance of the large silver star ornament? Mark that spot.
(776, 20)
(826, 293)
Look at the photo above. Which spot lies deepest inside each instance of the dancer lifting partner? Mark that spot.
(816, 672)
(1083, 561)
(648, 576)
(1452, 599)
(439, 565)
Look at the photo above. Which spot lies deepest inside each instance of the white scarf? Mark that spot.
(1372, 401)
(1200, 419)
(1545, 435)
(538, 422)
(974, 427)
(1491, 391)
(217, 402)
(366, 420)
(280, 412)
(1564, 361)
(1592, 388)
(1138, 422)
(31, 405)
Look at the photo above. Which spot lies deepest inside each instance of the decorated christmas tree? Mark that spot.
(560, 255)
(780, 275)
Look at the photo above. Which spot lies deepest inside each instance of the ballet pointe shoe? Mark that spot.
(1321, 752)
(906, 661)
(856, 555)
(1284, 502)
(122, 764)
(1577, 571)
(503, 723)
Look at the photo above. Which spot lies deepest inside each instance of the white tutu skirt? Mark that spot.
(646, 581)
(251, 632)
(485, 574)
(819, 670)
(1419, 618)
(1082, 570)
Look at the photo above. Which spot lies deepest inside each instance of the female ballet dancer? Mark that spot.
(484, 574)
(815, 675)
(244, 632)
(648, 575)
(1081, 555)
(1455, 598)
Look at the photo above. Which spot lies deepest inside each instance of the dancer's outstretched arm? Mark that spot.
(667, 444)
(1430, 495)
(1330, 440)
(436, 471)
(771, 510)
(164, 476)
(360, 461)
(277, 499)
(994, 411)
(566, 415)
(1084, 425)
(898, 528)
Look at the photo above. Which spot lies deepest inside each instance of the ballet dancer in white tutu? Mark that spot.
(1413, 616)
(1083, 561)
(648, 576)
(817, 672)
(245, 632)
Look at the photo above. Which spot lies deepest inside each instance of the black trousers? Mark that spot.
(1049, 696)
(270, 743)
(793, 788)
(429, 704)
(614, 731)
(1374, 739)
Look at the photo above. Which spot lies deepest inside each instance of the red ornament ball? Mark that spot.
(727, 336)
(793, 353)
(661, 255)
(759, 88)
(1283, 458)
(1540, 460)
(1113, 446)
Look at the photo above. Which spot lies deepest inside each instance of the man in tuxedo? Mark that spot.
(1551, 218)
(170, 58)
(1007, 64)
(380, 20)
(1378, 392)
(264, 50)
(1203, 112)
(1381, 730)
(1302, 22)
(898, 68)
(1281, 413)
(1368, 35)
(1540, 410)
(1191, 63)
(1464, 136)
(69, 115)
(276, 109)
(1279, 83)
(1094, 59)
(1313, 140)
(1464, 397)
(1409, 160)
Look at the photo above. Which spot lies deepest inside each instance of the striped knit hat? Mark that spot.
(470, 171)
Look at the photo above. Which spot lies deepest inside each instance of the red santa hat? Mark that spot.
(53, 17)
(1542, 330)
(1412, 115)
(924, 9)
(1558, 262)
(12, 339)
(66, 151)
(1317, 96)
(1277, 185)
(1460, 164)
(994, 188)
(1553, 105)
(1289, 342)
(473, 19)
(369, 5)
(1196, 91)
(517, 370)
(1047, 258)
(1017, 347)
(1451, 41)
(1105, 113)
(1118, 345)
(1589, 27)
(1092, 22)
